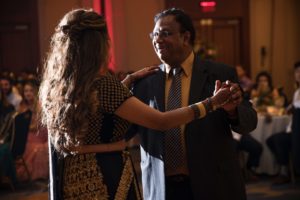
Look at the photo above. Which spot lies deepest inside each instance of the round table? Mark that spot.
(263, 131)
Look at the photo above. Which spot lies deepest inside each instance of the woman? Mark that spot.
(87, 112)
(36, 149)
(285, 145)
(7, 165)
(264, 94)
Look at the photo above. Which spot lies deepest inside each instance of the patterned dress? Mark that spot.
(102, 175)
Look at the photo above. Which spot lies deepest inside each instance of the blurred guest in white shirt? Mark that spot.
(11, 93)
(284, 143)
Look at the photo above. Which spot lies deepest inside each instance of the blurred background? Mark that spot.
(251, 35)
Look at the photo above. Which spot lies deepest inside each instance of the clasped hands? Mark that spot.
(227, 95)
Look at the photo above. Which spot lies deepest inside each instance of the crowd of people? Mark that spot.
(270, 101)
(19, 99)
(185, 111)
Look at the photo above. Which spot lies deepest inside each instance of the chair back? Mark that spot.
(6, 127)
(20, 133)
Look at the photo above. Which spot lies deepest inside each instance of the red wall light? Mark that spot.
(208, 6)
(208, 3)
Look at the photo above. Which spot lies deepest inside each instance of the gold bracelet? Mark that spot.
(196, 111)
(199, 110)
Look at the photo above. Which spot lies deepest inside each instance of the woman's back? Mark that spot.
(104, 174)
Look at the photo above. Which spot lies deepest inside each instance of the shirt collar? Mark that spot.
(187, 65)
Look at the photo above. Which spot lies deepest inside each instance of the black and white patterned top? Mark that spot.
(104, 126)
(102, 176)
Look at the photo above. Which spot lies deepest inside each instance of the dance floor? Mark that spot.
(259, 190)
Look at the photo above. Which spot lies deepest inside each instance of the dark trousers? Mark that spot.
(178, 187)
(252, 147)
(280, 145)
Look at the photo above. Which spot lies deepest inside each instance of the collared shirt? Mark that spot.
(186, 77)
(14, 99)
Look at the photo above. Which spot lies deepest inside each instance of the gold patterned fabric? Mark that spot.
(108, 175)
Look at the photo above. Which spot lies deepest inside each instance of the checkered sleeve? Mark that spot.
(112, 93)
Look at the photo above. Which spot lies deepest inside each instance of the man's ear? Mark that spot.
(186, 37)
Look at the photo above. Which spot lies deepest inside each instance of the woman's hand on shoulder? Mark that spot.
(146, 71)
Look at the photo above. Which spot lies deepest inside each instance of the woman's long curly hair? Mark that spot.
(78, 49)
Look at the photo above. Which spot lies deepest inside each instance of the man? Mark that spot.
(12, 95)
(287, 143)
(210, 169)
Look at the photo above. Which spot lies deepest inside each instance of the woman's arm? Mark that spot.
(139, 113)
(99, 148)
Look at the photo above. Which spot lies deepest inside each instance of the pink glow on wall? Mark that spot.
(107, 11)
(97, 6)
(109, 20)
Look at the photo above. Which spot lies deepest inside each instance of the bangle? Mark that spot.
(196, 111)
(199, 110)
(208, 106)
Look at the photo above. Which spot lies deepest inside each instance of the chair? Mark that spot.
(19, 139)
(6, 160)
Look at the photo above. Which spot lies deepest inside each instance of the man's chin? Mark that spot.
(163, 58)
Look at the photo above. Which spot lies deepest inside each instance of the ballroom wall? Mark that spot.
(50, 12)
(132, 22)
(275, 25)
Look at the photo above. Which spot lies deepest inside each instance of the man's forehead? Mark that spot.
(166, 23)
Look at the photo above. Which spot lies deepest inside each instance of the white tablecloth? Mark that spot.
(263, 131)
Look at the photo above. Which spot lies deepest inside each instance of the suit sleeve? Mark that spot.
(247, 116)
(138, 91)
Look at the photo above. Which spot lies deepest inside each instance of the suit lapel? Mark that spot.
(158, 87)
(199, 77)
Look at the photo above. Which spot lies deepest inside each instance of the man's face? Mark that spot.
(169, 43)
(5, 86)
(29, 93)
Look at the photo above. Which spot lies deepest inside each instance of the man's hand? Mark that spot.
(235, 96)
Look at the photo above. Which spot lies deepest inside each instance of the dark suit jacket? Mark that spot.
(212, 160)
(296, 139)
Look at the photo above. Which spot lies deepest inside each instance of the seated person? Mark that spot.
(254, 149)
(11, 93)
(264, 94)
(7, 111)
(37, 142)
(284, 143)
(280, 145)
